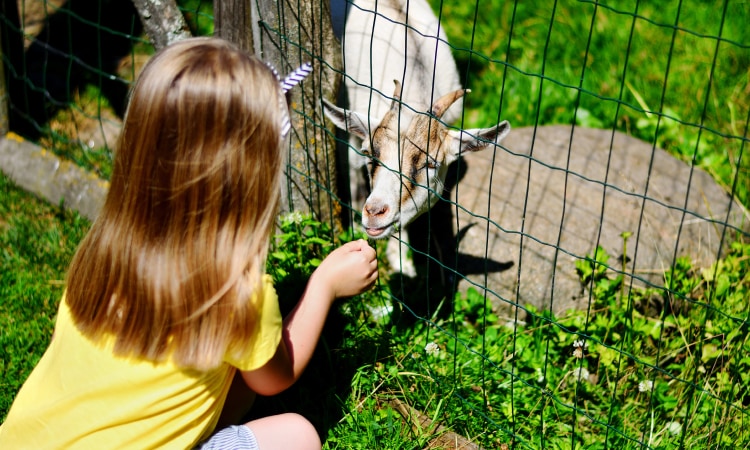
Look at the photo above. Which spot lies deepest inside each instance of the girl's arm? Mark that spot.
(349, 270)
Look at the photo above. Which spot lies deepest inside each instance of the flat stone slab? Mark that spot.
(51, 178)
(555, 194)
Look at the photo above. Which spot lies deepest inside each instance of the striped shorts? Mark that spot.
(235, 437)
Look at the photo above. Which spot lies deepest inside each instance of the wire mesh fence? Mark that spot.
(582, 283)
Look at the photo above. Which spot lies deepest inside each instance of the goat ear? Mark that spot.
(350, 121)
(476, 139)
(443, 103)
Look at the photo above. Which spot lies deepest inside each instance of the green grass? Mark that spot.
(660, 368)
(664, 367)
(37, 241)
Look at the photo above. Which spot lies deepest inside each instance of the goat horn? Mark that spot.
(443, 103)
(396, 94)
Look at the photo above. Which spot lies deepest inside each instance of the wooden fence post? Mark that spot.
(286, 34)
(233, 22)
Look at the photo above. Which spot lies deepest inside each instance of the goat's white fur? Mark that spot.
(388, 40)
(404, 136)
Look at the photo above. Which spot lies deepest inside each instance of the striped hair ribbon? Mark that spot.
(296, 77)
(291, 80)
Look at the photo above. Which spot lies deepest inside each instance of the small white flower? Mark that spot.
(380, 312)
(539, 376)
(645, 386)
(294, 217)
(675, 428)
(432, 349)
(581, 373)
(579, 347)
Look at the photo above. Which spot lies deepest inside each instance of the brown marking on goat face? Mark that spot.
(387, 131)
(422, 149)
(416, 150)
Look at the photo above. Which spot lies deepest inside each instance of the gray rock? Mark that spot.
(51, 178)
(672, 210)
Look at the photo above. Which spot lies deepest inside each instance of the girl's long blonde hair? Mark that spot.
(172, 264)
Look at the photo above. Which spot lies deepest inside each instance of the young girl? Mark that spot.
(165, 298)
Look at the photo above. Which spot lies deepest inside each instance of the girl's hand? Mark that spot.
(349, 270)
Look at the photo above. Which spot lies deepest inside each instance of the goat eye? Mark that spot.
(432, 164)
(372, 151)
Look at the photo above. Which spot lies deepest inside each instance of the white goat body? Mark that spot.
(400, 40)
(403, 137)
(387, 40)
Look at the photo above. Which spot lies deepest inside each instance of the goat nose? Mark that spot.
(376, 208)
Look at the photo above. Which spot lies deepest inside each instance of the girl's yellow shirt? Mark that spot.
(80, 396)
